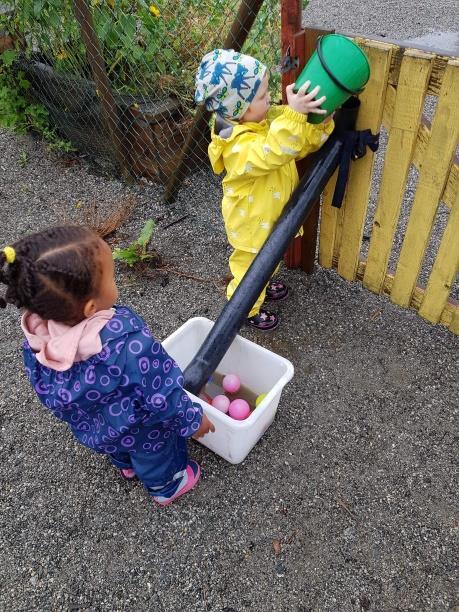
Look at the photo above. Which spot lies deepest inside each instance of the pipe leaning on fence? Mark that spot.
(217, 342)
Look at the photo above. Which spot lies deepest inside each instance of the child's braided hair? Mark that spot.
(51, 273)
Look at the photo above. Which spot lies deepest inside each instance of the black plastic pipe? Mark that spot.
(217, 342)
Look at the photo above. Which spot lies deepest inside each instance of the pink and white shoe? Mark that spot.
(189, 480)
(127, 474)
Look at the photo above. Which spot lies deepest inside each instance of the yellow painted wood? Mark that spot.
(444, 270)
(328, 222)
(389, 106)
(438, 69)
(454, 325)
(420, 148)
(359, 184)
(406, 117)
(449, 315)
(432, 180)
(338, 233)
(452, 185)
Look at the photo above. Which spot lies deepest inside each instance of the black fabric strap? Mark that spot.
(355, 146)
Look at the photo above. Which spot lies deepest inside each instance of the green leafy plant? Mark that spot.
(23, 159)
(17, 111)
(149, 46)
(137, 251)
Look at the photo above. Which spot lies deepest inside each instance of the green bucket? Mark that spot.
(341, 69)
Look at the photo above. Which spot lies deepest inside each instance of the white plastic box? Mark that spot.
(259, 369)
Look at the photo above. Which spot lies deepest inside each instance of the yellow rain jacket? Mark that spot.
(261, 174)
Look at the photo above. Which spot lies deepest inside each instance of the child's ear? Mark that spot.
(89, 308)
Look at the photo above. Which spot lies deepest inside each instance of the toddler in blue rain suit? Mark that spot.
(96, 366)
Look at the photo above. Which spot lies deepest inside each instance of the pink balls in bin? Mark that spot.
(221, 402)
(231, 383)
(239, 409)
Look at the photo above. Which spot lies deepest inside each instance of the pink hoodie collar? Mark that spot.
(59, 346)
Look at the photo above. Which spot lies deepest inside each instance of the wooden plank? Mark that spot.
(438, 67)
(389, 106)
(414, 76)
(438, 158)
(444, 270)
(451, 187)
(309, 238)
(449, 192)
(454, 325)
(403, 44)
(338, 232)
(290, 24)
(328, 222)
(294, 253)
(449, 315)
(421, 146)
(302, 251)
(359, 185)
(438, 70)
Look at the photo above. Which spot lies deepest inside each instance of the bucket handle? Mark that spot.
(329, 72)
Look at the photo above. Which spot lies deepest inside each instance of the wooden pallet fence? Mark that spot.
(401, 79)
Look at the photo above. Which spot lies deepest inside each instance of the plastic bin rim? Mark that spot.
(188, 323)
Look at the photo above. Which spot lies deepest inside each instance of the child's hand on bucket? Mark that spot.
(305, 103)
(206, 426)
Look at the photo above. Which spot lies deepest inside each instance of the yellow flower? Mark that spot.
(111, 3)
(154, 10)
(61, 55)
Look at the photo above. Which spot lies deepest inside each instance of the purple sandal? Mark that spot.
(276, 291)
(264, 320)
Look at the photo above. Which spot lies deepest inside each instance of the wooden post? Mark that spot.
(248, 11)
(302, 250)
(108, 103)
(290, 26)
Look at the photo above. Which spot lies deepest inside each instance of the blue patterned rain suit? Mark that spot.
(126, 402)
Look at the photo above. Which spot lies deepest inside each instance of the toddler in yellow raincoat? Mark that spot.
(257, 147)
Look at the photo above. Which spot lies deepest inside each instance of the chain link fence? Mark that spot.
(116, 77)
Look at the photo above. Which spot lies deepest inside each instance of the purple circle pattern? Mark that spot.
(128, 398)
(144, 365)
(135, 347)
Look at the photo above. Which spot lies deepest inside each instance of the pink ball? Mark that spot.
(221, 402)
(231, 383)
(239, 409)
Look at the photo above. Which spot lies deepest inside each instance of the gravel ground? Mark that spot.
(394, 19)
(348, 502)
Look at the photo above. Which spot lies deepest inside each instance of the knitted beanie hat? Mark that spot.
(227, 81)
